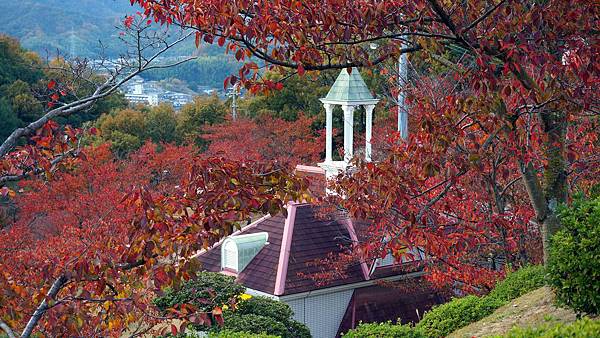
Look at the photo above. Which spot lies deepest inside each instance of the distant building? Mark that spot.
(139, 91)
(178, 100)
(150, 99)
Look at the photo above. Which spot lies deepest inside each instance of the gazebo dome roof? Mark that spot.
(349, 88)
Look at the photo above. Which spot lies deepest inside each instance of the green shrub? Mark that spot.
(384, 330)
(446, 318)
(583, 328)
(207, 285)
(233, 334)
(519, 283)
(254, 324)
(298, 330)
(220, 334)
(267, 307)
(574, 265)
(256, 315)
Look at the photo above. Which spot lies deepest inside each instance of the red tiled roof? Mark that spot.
(313, 238)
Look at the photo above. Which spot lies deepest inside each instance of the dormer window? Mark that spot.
(238, 251)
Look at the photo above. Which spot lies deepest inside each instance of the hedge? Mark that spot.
(459, 312)
(232, 334)
(256, 315)
(254, 324)
(519, 283)
(384, 330)
(264, 315)
(265, 307)
(446, 318)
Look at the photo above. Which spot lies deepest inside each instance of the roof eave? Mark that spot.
(350, 102)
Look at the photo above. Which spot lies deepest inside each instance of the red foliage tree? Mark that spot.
(495, 150)
(267, 139)
(85, 256)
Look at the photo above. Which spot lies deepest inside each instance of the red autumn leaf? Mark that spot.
(128, 21)
(301, 70)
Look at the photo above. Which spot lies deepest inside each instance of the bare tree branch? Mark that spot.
(58, 284)
(9, 332)
(484, 16)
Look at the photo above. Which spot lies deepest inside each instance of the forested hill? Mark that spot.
(68, 25)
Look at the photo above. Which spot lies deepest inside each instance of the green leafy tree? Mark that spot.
(161, 124)
(16, 63)
(195, 116)
(298, 94)
(8, 119)
(124, 129)
(26, 107)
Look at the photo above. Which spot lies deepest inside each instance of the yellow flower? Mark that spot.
(245, 296)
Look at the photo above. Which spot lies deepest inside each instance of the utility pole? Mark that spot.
(402, 81)
(234, 106)
(402, 108)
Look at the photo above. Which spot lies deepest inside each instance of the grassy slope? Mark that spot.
(532, 309)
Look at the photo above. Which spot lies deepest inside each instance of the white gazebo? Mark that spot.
(349, 91)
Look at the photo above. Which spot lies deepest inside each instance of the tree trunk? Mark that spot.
(555, 173)
(554, 192)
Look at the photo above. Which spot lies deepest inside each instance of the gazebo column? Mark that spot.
(328, 131)
(348, 132)
(369, 124)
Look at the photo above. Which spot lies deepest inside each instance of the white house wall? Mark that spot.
(322, 313)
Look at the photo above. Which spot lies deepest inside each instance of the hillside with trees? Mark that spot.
(73, 26)
(89, 28)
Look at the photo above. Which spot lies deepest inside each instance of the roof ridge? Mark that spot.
(284, 252)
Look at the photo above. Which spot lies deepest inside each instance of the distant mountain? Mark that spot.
(72, 26)
(75, 27)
